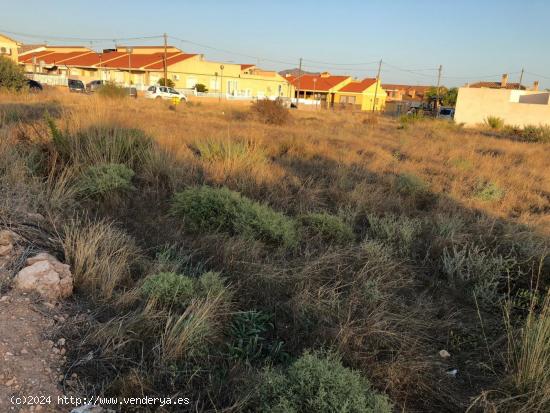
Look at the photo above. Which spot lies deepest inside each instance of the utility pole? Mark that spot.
(520, 78)
(129, 50)
(377, 82)
(436, 106)
(165, 60)
(298, 84)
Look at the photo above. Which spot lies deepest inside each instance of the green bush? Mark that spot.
(316, 383)
(220, 209)
(328, 227)
(112, 91)
(105, 180)
(200, 88)
(172, 289)
(169, 82)
(480, 270)
(410, 184)
(489, 192)
(250, 341)
(400, 232)
(494, 122)
(168, 289)
(12, 76)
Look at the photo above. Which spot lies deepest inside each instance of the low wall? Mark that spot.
(516, 107)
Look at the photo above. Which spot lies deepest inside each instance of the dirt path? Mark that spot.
(29, 361)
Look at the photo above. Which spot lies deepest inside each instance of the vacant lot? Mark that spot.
(248, 257)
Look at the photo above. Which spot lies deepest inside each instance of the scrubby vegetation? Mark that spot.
(11, 75)
(315, 264)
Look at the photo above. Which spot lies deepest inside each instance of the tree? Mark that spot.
(447, 97)
(199, 87)
(169, 82)
(12, 76)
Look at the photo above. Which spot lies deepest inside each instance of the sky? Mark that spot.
(471, 40)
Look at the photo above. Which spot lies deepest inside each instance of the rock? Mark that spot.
(61, 342)
(7, 245)
(90, 408)
(444, 354)
(47, 276)
(4, 298)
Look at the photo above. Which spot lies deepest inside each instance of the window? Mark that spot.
(163, 89)
(151, 89)
(3, 50)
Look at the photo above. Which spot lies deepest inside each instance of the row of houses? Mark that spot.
(142, 66)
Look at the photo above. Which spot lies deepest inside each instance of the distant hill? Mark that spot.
(295, 71)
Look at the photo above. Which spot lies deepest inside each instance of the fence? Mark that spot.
(51, 80)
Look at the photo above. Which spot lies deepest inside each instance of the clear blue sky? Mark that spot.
(470, 38)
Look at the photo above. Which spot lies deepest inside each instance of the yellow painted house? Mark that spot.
(366, 95)
(8, 48)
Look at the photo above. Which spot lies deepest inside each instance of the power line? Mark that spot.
(79, 39)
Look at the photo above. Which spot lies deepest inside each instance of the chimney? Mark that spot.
(504, 80)
(325, 74)
(536, 85)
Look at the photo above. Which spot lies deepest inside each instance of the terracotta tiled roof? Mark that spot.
(358, 87)
(176, 58)
(93, 59)
(498, 85)
(52, 58)
(137, 60)
(28, 57)
(246, 66)
(316, 82)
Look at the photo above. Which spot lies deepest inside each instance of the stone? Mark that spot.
(47, 276)
(444, 354)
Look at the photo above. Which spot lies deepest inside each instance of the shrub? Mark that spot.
(481, 271)
(410, 184)
(100, 256)
(494, 122)
(400, 232)
(489, 192)
(200, 88)
(318, 383)
(106, 180)
(112, 91)
(168, 83)
(531, 133)
(328, 227)
(249, 338)
(410, 118)
(220, 209)
(270, 111)
(104, 144)
(169, 289)
(12, 76)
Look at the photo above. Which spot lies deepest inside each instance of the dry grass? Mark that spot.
(100, 256)
(379, 295)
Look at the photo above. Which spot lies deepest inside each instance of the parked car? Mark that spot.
(94, 85)
(446, 113)
(34, 86)
(164, 92)
(76, 86)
